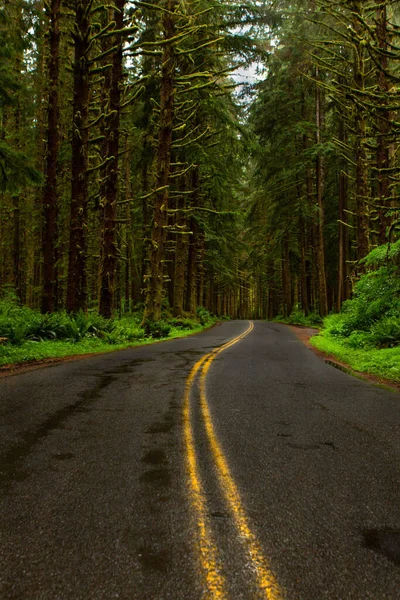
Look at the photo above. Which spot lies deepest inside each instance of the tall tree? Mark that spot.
(50, 195)
(76, 286)
(112, 130)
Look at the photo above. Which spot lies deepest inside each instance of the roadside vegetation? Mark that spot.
(26, 334)
(366, 333)
(297, 317)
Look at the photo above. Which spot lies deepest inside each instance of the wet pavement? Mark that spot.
(94, 491)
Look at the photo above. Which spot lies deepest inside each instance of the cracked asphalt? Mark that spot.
(94, 483)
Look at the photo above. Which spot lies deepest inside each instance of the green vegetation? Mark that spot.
(384, 363)
(26, 334)
(297, 317)
(366, 333)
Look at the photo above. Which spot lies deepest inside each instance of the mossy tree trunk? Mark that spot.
(112, 129)
(50, 195)
(155, 277)
(76, 284)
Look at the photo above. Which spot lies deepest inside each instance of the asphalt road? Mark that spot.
(233, 464)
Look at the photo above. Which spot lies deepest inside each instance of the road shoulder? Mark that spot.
(304, 334)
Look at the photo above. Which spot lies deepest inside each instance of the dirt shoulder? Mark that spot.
(306, 333)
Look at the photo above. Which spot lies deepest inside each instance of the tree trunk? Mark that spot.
(201, 301)
(181, 248)
(286, 279)
(303, 269)
(360, 147)
(112, 120)
(76, 284)
(191, 288)
(155, 282)
(383, 124)
(50, 195)
(343, 287)
(320, 241)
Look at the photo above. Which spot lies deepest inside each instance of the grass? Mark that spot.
(366, 333)
(381, 362)
(26, 335)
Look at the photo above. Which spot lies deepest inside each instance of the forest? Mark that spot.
(170, 162)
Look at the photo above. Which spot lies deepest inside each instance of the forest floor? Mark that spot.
(319, 345)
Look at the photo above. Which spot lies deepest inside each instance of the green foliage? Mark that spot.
(19, 324)
(382, 255)
(16, 169)
(359, 339)
(366, 334)
(183, 323)
(157, 329)
(384, 362)
(123, 333)
(203, 315)
(297, 317)
(26, 334)
(373, 310)
(387, 332)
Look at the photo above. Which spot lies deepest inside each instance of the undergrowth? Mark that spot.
(297, 317)
(366, 333)
(26, 334)
(383, 362)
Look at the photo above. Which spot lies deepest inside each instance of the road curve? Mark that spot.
(233, 464)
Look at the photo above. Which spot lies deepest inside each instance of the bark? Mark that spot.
(50, 195)
(181, 248)
(146, 233)
(303, 269)
(16, 246)
(112, 128)
(320, 177)
(192, 270)
(201, 244)
(343, 283)
(286, 278)
(360, 148)
(383, 125)
(76, 284)
(154, 292)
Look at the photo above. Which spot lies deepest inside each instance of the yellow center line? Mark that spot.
(265, 578)
(215, 581)
(208, 553)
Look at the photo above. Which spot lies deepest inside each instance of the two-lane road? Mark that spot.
(232, 464)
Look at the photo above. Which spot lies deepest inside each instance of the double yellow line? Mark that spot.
(215, 581)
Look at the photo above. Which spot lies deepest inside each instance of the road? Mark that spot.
(234, 464)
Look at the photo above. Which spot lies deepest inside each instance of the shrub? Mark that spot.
(124, 333)
(157, 329)
(203, 315)
(297, 317)
(337, 325)
(359, 339)
(386, 333)
(183, 323)
(376, 295)
(371, 317)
